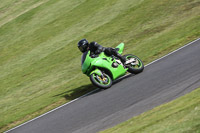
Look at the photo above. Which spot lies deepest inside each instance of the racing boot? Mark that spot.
(122, 58)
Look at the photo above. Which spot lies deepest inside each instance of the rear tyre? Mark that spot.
(100, 82)
(135, 67)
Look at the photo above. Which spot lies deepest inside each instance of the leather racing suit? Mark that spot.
(96, 49)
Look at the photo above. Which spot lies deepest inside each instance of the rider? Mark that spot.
(96, 49)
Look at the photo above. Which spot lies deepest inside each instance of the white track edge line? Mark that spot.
(173, 51)
(51, 111)
(97, 88)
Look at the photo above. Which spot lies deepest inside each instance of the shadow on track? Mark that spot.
(85, 89)
(76, 92)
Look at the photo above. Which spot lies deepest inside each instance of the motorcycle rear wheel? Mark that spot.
(100, 82)
(137, 66)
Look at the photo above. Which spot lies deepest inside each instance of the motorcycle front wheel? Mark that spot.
(101, 82)
(136, 66)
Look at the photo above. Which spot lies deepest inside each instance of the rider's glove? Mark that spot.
(94, 56)
(97, 51)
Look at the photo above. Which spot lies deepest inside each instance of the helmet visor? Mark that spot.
(81, 49)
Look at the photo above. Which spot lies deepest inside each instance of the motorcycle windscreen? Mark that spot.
(86, 62)
(83, 57)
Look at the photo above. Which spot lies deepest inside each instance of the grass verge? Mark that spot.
(179, 116)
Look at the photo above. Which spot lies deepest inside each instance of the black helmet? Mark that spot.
(83, 45)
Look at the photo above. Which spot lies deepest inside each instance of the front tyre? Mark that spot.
(103, 83)
(136, 66)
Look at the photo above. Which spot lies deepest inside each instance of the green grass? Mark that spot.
(179, 116)
(40, 63)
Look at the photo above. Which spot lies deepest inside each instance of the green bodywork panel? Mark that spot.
(93, 65)
(121, 48)
(97, 71)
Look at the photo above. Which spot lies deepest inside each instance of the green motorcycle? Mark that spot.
(103, 70)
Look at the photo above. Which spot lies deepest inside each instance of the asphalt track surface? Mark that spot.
(161, 82)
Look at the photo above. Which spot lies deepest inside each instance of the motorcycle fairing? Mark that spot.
(91, 65)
